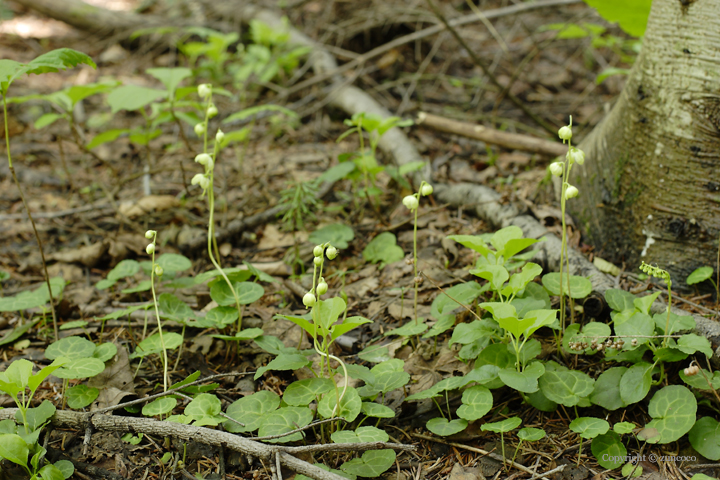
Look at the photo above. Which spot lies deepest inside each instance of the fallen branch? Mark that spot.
(513, 141)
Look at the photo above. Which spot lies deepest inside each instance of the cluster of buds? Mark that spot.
(656, 272)
(412, 202)
(574, 155)
(599, 346)
(691, 370)
(150, 250)
(310, 298)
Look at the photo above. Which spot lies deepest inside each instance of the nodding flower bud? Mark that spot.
(556, 168)
(212, 111)
(411, 202)
(576, 155)
(202, 180)
(331, 252)
(309, 299)
(322, 287)
(203, 158)
(150, 249)
(318, 261)
(565, 133)
(219, 136)
(199, 129)
(150, 234)
(318, 251)
(426, 190)
(571, 192)
(158, 270)
(204, 90)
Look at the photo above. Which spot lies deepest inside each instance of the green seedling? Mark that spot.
(157, 270)
(502, 427)
(10, 70)
(588, 427)
(528, 434)
(412, 202)
(700, 275)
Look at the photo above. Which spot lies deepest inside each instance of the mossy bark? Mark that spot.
(650, 187)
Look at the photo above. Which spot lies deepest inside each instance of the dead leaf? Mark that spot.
(148, 204)
(115, 382)
(459, 472)
(274, 238)
(88, 255)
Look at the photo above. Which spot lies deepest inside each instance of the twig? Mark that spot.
(451, 298)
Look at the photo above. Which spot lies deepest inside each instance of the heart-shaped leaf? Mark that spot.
(372, 463)
(159, 406)
(284, 361)
(477, 401)
(699, 275)
(525, 381)
(589, 427)
(502, 426)
(609, 451)
(465, 293)
(80, 368)
(705, 438)
(635, 383)
(528, 434)
(606, 392)
(251, 410)
(383, 249)
(441, 426)
(71, 348)
(80, 396)
(283, 420)
(579, 287)
(350, 405)
(372, 409)
(204, 409)
(360, 435)
(619, 300)
(302, 392)
(673, 410)
(566, 387)
(639, 327)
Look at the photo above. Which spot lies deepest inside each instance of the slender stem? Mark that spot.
(32, 221)
(415, 262)
(157, 315)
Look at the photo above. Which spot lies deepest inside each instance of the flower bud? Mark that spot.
(199, 129)
(318, 261)
(309, 299)
(204, 90)
(411, 202)
(150, 249)
(571, 192)
(219, 136)
(565, 133)
(331, 252)
(158, 270)
(203, 158)
(212, 111)
(149, 234)
(556, 168)
(426, 189)
(318, 251)
(322, 287)
(576, 155)
(202, 180)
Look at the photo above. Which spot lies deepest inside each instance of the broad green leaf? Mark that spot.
(385, 382)
(383, 249)
(691, 343)
(673, 410)
(18, 373)
(678, 323)
(247, 292)
(74, 324)
(591, 332)
(699, 275)
(359, 372)
(631, 470)
(133, 97)
(698, 381)
(473, 242)
(639, 327)
(700, 476)
(497, 275)
(35, 380)
(360, 435)
(238, 274)
(619, 300)
(466, 333)
(504, 235)
(259, 274)
(81, 92)
(302, 392)
(37, 416)
(372, 463)
(632, 16)
(529, 434)
(174, 308)
(540, 401)
(487, 375)
(589, 427)
(502, 426)
(350, 404)
(80, 396)
(14, 448)
(410, 329)
(58, 59)
(302, 322)
(126, 268)
(635, 383)
(21, 301)
(249, 112)
(106, 136)
(567, 387)
(606, 392)
(372, 409)
(47, 119)
(528, 273)
(153, 344)
(221, 317)
(66, 468)
(283, 420)
(705, 438)
(477, 401)
(170, 77)
(18, 331)
(374, 354)
(159, 406)
(445, 323)
(337, 172)
(609, 451)
(496, 354)
(336, 233)
(464, 293)
(251, 410)
(80, 368)
(204, 409)
(643, 303)
(441, 426)
(173, 262)
(580, 287)
(284, 361)
(525, 381)
(350, 323)
(328, 311)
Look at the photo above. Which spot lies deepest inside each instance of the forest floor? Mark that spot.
(92, 212)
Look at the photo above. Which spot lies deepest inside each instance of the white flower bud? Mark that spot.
(158, 270)
(318, 251)
(219, 136)
(212, 111)
(150, 249)
(318, 261)
(203, 158)
(309, 299)
(426, 190)
(556, 168)
(149, 234)
(210, 165)
(565, 133)
(200, 129)
(571, 192)
(576, 155)
(204, 90)
(411, 202)
(202, 180)
(331, 252)
(322, 287)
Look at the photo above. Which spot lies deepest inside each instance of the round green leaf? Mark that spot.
(502, 426)
(699, 275)
(247, 292)
(580, 287)
(284, 361)
(609, 450)
(638, 327)
(80, 396)
(698, 381)
(673, 410)
(71, 348)
(606, 392)
(283, 420)
(222, 316)
(336, 233)
(635, 383)
(360, 435)
(159, 406)
(678, 323)
(105, 351)
(589, 427)
(174, 308)
(302, 392)
(567, 387)
(66, 468)
(477, 401)
(372, 409)
(250, 411)
(705, 438)
(623, 428)
(126, 268)
(410, 329)
(619, 300)
(528, 434)
(350, 405)
(372, 463)
(133, 97)
(440, 426)
(14, 448)
(152, 344)
(80, 368)
(204, 409)
(384, 249)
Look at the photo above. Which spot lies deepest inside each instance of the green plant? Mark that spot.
(412, 202)
(502, 427)
(157, 270)
(700, 275)
(10, 70)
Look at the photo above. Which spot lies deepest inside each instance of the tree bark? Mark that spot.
(650, 186)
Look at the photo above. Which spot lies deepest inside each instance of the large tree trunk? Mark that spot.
(650, 188)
